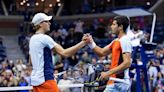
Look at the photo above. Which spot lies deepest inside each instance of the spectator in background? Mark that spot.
(77, 78)
(102, 6)
(79, 25)
(91, 74)
(56, 36)
(153, 73)
(86, 58)
(86, 8)
(3, 67)
(27, 17)
(27, 74)
(56, 77)
(73, 60)
(23, 82)
(63, 32)
(102, 60)
(69, 73)
(56, 58)
(100, 31)
(135, 35)
(70, 38)
(10, 64)
(59, 66)
(159, 52)
(19, 65)
(64, 81)
(8, 79)
(95, 24)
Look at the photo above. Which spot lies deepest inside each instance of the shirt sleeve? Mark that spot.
(110, 45)
(49, 42)
(126, 45)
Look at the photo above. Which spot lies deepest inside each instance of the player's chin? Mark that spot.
(48, 29)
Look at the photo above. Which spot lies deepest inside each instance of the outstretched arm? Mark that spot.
(71, 50)
(98, 50)
(101, 51)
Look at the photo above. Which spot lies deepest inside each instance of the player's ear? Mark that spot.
(120, 27)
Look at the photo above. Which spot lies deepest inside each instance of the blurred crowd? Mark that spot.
(84, 66)
(14, 73)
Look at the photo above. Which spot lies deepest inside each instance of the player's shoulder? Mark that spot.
(40, 37)
(124, 38)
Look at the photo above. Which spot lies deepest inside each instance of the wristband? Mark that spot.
(92, 45)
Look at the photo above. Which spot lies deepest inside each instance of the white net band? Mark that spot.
(30, 87)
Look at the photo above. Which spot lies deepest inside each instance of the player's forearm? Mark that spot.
(72, 50)
(120, 68)
(98, 51)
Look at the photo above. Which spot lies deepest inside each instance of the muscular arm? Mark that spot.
(98, 50)
(124, 65)
(101, 51)
(69, 51)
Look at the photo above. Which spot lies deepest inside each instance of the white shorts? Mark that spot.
(118, 87)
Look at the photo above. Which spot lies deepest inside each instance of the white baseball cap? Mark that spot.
(40, 17)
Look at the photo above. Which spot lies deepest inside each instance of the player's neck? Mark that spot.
(121, 34)
(39, 31)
